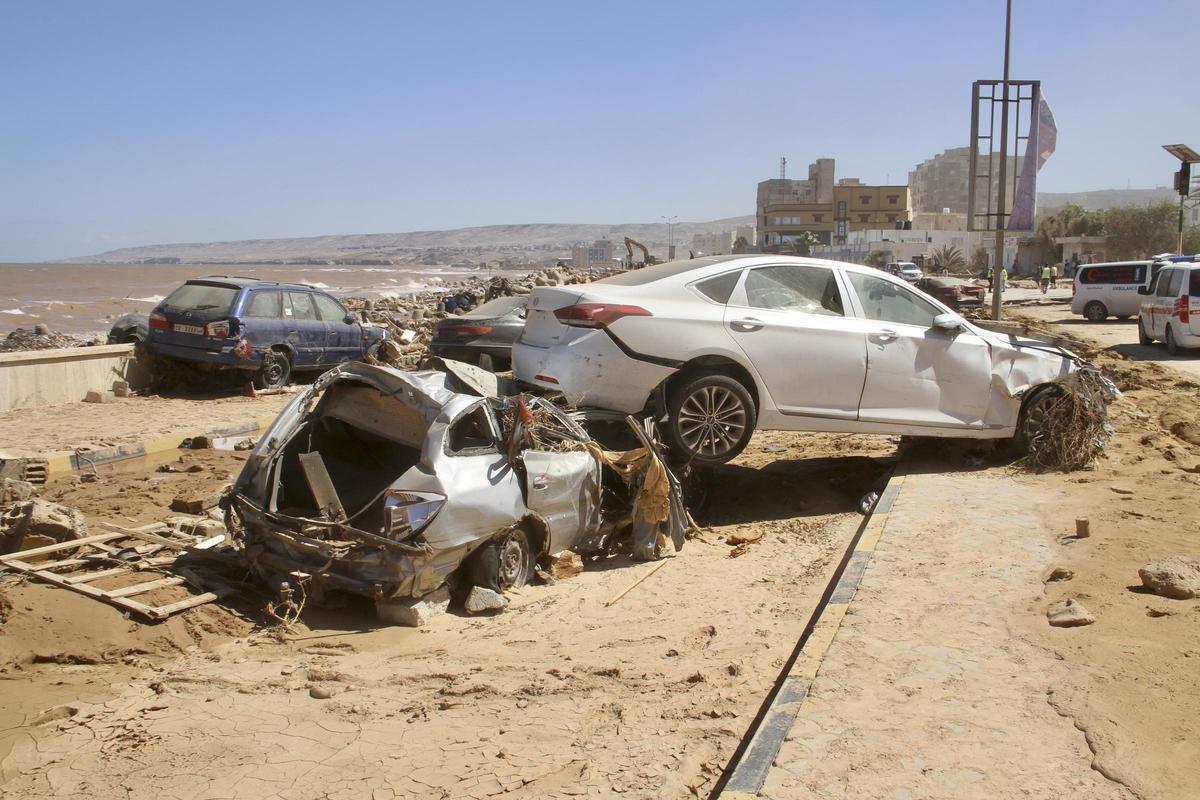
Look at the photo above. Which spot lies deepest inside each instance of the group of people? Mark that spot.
(1048, 276)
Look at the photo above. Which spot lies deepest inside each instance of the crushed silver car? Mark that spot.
(388, 484)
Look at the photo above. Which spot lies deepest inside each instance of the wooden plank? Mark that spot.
(92, 558)
(87, 577)
(55, 548)
(142, 588)
(190, 602)
(132, 533)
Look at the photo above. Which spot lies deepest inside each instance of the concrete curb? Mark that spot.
(59, 463)
(749, 773)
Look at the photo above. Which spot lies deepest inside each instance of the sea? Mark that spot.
(84, 299)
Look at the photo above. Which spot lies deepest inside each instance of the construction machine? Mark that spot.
(647, 259)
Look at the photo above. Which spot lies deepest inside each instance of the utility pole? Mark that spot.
(1001, 217)
(670, 237)
(1187, 156)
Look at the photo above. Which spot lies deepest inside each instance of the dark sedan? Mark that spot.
(954, 292)
(484, 335)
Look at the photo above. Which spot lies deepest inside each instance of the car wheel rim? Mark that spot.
(712, 421)
(513, 559)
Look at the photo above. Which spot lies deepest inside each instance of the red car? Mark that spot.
(954, 292)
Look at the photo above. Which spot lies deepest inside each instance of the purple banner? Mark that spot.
(1043, 136)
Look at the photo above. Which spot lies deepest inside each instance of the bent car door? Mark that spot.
(918, 374)
(790, 321)
(564, 489)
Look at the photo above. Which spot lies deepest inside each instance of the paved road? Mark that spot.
(1119, 336)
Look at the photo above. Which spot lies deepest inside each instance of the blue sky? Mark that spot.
(128, 123)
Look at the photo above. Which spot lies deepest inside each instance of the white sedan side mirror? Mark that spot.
(947, 323)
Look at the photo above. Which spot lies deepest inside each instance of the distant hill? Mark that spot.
(1106, 198)
(535, 242)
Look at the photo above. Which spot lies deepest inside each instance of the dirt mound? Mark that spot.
(1183, 423)
(49, 625)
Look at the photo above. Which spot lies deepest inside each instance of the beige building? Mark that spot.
(712, 243)
(941, 183)
(598, 254)
(850, 206)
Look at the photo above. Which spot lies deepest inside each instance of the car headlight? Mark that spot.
(406, 513)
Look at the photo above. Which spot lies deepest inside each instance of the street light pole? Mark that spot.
(670, 237)
(998, 267)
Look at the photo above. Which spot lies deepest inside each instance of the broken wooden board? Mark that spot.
(93, 560)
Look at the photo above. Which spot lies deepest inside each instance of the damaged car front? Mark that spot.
(387, 484)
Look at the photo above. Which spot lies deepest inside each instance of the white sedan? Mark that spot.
(716, 347)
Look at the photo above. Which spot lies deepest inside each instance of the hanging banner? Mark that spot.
(1043, 136)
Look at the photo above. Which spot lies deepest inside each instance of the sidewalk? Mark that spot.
(931, 688)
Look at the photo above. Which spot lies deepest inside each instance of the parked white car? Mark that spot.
(907, 270)
(1170, 309)
(716, 347)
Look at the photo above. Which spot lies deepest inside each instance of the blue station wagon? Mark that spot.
(262, 328)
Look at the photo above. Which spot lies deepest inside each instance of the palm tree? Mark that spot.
(948, 258)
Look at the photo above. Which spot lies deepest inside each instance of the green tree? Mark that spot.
(1142, 231)
(948, 258)
(876, 258)
(1070, 220)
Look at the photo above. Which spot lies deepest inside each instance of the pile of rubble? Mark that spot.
(40, 338)
(411, 320)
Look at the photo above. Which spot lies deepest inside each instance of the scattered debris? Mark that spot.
(37, 523)
(33, 470)
(481, 600)
(119, 555)
(635, 584)
(413, 612)
(321, 692)
(98, 397)
(185, 504)
(1175, 577)
(1068, 614)
(1068, 425)
(564, 565)
(15, 491)
(1059, 574)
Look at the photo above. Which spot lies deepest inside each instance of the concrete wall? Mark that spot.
(46, 377)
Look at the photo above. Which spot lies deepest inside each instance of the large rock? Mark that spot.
(1068, 614)
(36, 523)
(566, 564)
(14, 491)
(1176, 577)
(482, 601)
(413, 612)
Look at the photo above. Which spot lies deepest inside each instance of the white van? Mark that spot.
(1170, 309)
(1101, 290)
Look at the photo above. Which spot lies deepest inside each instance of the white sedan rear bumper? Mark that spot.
(591, 370)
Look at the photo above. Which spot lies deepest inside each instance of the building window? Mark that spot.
(774, 220)
(893, 199)
(864, 199)
(864, 217)
(818, 217)
(841, 208)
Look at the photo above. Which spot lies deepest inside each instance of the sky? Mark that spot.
(130, 123)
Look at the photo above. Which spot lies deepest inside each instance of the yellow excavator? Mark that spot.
(647, 259)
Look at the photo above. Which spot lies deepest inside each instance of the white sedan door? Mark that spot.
(918, 374)
(790, 321)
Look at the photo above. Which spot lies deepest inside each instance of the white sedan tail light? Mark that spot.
(597, 315)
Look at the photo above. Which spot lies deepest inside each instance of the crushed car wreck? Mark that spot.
(389, 484)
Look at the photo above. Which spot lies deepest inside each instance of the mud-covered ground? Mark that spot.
(645, 697)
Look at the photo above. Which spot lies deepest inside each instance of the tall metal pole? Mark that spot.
(1182, 197)
(998, 267)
